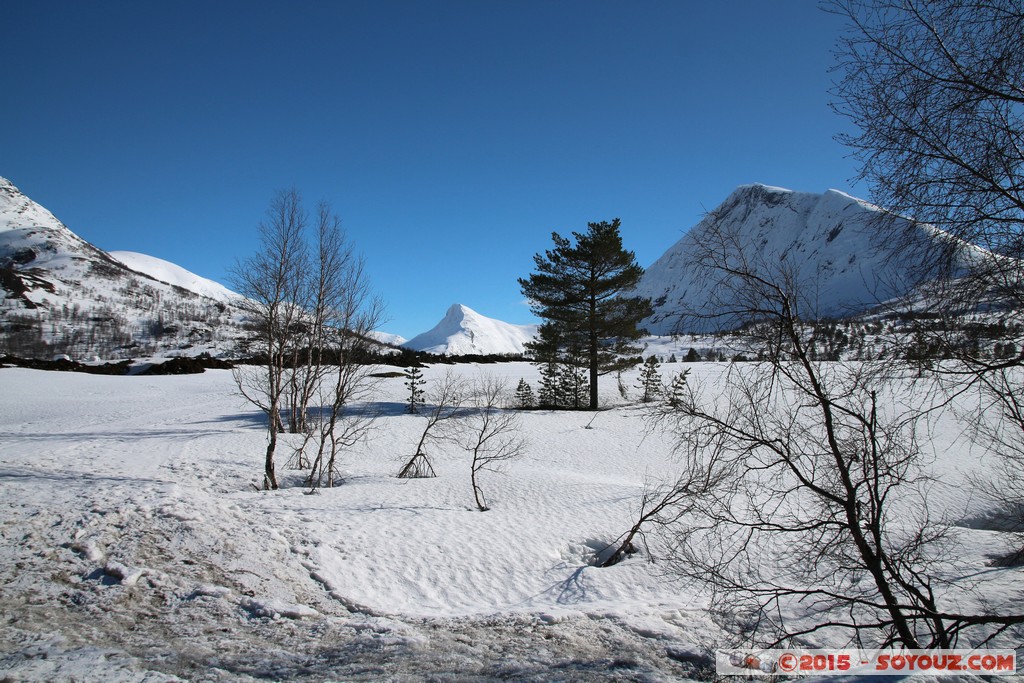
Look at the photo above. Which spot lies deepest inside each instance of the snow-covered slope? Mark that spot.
(173, 274)
(463, 331)
(831, 241)
(60, 294)
(33, 241)
(387, 338)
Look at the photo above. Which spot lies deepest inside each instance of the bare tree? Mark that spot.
(935, 91)
(491, 432)
(346, 311)
(271, 283)
(312, 329)
(997, 423)
(664, 506)
(446, 399)
(820, 519)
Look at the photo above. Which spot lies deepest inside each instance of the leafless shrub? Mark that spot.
(445, 401)
(491, 432)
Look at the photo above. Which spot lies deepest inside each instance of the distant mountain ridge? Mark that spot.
(61, 294)
(831, 240)
(463, 331)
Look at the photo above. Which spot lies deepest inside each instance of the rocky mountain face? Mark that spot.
(831, 243)
(463, 331)
(60, 294)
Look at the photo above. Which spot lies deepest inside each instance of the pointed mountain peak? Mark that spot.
(460, 312)
(464, 331)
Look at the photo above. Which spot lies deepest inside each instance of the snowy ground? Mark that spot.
(134, 546)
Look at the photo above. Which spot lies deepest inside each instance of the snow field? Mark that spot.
(135, 546)
(130, 523)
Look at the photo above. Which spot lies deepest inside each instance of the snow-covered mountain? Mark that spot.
(831, 241)
(61, 294)
(173, 274)
(463, 331)
(387, 338)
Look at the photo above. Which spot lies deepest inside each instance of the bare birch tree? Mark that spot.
(935, 91)
(271, 283)
(346, 311)
(491, 432)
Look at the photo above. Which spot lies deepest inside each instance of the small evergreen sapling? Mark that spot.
(677, 390)
(550, 390)
(650, 380)
(524, 395)
(574, 387)
(414, 381)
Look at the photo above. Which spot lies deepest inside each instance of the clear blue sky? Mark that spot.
(451, 136)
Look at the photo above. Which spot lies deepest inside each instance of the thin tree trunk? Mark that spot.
(270, 476)
(593, 352)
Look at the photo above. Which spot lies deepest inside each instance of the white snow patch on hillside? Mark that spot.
(387, 338)
(173, 274)
(463, 331)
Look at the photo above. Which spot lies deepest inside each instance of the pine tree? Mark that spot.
(573, 384)
(677, 389)
(650, 380)
(577, 291)
(414, 381)
(550, 393)
(524, 395)
(692, 356)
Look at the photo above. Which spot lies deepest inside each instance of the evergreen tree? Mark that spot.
(677, 388)
(524, 395)
(550, 389)
(573, 384)
(650, 380)
(414, 381)
(692, 356)
(546, 356)
(577, 291)
(672, 359)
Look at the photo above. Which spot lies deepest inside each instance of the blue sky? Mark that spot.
(451, 136)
